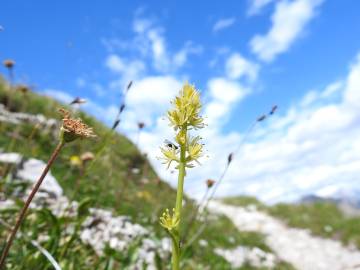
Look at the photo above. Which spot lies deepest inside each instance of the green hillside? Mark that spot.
(322, 218)
(119, 179)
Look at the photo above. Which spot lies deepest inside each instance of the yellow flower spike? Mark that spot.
(187, 109)
(183, 117)
(169, 220)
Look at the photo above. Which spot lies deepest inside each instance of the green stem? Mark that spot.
(178, 207)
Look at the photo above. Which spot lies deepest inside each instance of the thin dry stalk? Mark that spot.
(27, 204)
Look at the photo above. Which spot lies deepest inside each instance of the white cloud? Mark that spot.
(237, 67)
(288, 22)
(224, 94)
(149, 98)
(257, 5)
(313, 149)
(60, 95)
(181, 57)
(104, 113)
(223, 24)
(130, 70)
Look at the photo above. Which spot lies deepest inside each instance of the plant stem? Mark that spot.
(22, 213)
(178, 207)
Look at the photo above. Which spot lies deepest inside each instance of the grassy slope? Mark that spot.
(321, 218)
(108, 183)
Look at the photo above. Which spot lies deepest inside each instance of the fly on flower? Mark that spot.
(170, 144)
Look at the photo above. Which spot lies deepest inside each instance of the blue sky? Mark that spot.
(244, 56)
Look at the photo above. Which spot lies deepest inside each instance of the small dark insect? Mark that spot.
(273, 110)
(261, 118)
(171, 145)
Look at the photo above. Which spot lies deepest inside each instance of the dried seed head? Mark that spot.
(273, 109)
(210, 183)
(23, 88)
(87, 156)
(73, 129)
(129, 86)
(230, 158)
(116, 123)
(78, 100)
(261, 118)
(122, 107)
(9, 63)
(141, 125)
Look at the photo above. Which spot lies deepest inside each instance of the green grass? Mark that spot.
(109, 183)
(322, 218)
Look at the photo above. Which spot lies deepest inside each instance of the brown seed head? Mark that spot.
(141, 125)
(230, 158)
(23, 88)
(78, 100)
(87, 156)
(261, 118)
(8, 63)
(273, 109)
(210, 183)
(122, 107)
(129, 86)
(74, 128)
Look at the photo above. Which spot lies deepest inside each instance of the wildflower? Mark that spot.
(75, 161)
(210, 183)
(73, 129)
(184, 116)
(169, 220)
(195, 151)
(144, 195)
(187, 109)
(170, 154)
(9, 63)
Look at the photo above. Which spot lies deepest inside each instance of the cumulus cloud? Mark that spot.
(257, 5)
(149, 98)
(224, 94)
(105, 113)
(223, 24)
(288, 22)
(237, 67)
(312, 149)
(130, 70)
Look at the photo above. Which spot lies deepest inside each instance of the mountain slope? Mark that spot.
(117, 187)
